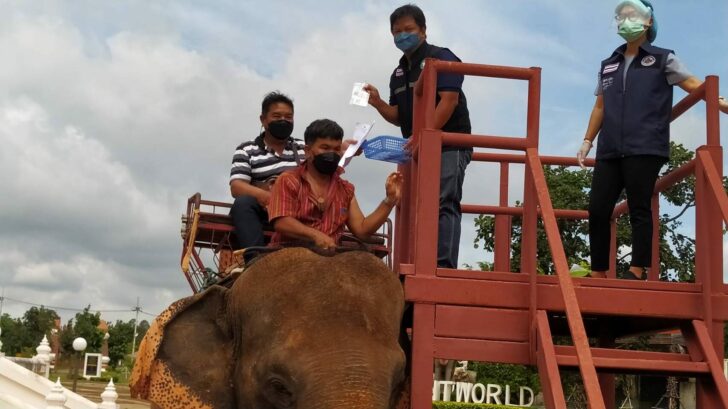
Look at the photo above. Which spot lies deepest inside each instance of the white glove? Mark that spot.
(583, 152)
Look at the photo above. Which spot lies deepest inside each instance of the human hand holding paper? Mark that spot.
(361, 130)
(359, 96)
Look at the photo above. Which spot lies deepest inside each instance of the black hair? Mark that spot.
(274, 97)
(408, 10)
(322, 128)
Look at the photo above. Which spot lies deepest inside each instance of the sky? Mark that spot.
(113, 113)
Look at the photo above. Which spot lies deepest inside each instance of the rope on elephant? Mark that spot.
(262, 251)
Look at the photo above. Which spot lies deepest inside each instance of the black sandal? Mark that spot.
(631, 276)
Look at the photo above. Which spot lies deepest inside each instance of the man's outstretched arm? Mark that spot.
(388, 112)
(363, 227)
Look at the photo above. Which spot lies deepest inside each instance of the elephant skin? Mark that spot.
(296, 330)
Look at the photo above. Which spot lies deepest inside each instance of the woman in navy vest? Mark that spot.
(632, 118)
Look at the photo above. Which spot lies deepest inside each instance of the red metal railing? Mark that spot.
(419, 248)
(416, 220)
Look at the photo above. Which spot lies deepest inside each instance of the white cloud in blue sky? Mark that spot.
(113, 113)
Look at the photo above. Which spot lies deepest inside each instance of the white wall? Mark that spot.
(20, 384)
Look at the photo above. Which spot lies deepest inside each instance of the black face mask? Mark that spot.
(326, 163)
(280, 129)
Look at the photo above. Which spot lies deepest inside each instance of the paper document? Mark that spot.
(361, 131)
(358, 95)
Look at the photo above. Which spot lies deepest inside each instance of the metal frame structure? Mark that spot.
(504, 317)
(207, 233)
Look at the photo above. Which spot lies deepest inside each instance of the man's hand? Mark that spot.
(583, 152)
(723, 105)
(263, 198)
(323, 241)
(374, 99)
(345, 145)
(393, 187)
(410, 146)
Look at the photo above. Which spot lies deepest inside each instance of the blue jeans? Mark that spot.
(452, 174)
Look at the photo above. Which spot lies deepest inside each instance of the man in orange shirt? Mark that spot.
(314, 203)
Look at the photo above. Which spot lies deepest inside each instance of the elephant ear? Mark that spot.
(186, 358)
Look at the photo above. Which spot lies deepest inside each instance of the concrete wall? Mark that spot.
(18, 384)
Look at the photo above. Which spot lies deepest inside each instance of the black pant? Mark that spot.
(637, 175)
(249, 217)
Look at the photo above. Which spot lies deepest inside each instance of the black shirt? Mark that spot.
(404, 77)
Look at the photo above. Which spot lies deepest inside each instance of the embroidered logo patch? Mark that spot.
(610, 68)
(399, 72)
(607, 82)
(649, 60)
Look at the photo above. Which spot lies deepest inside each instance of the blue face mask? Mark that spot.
(406, 41)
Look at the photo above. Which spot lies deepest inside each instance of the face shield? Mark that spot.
(632, 11)
(630, 16)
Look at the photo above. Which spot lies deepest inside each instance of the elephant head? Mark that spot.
(296, 330)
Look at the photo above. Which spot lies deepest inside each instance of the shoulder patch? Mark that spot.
(610, 68)
(398, 72)
(648, 61)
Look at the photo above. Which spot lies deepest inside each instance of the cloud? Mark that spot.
(107, 124)
(74, 220)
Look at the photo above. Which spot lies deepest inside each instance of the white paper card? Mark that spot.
(358, 95)
(361, 131)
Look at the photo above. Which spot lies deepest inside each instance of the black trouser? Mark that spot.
(636, 175)
(249, 217)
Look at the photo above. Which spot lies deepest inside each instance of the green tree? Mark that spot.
(141, 332)
(506, 374)
(569, 189)
(120, 339)
(84, 325)
(120, 335)
(14, 335)
(38, 323)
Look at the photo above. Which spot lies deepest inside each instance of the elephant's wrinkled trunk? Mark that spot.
(352, 394)
(354, 382)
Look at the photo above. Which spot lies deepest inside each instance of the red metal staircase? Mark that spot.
(504, 317)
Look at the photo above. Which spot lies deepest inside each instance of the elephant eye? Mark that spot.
(278, 393)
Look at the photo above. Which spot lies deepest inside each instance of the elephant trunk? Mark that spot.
(355, 394)
(356, 383)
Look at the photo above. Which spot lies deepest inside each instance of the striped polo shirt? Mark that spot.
(256, 163)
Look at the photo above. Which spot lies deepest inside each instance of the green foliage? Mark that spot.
(39, 322)
(462, 405)
(14, 335)
(120, 336)
(141, 332)
(569, 189)
(84, 325)
(505, 374)
(20, 336)
(120, 339)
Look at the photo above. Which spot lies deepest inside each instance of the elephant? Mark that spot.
(295, 330)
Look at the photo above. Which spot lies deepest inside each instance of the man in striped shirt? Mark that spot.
(257, 164)
(313, 203)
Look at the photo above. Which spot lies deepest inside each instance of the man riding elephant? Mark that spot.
(295, 330)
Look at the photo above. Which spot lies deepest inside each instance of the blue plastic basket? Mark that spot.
(386, 148)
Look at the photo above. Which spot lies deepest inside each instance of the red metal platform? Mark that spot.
(511, 318)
